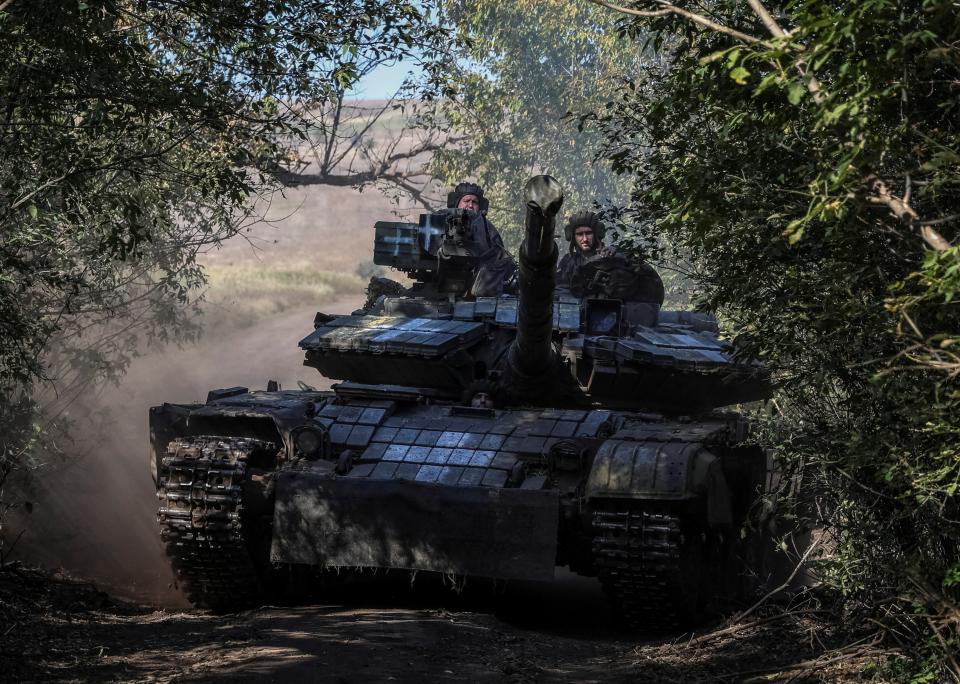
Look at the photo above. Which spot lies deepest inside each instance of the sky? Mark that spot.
(383, 81)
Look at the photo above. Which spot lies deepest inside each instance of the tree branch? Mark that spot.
(785, 585)
(813, 85)
(416, 193)
(376, 172)
(668, 8)
(331, 140)
(767, 19)
(904, 213)
(934, 222)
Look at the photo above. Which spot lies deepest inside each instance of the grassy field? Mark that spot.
(244, 293)
(315, 243)
(312, 244)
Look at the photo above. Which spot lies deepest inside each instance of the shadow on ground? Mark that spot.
(385, 629)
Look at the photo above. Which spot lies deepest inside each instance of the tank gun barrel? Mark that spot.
(531, 354)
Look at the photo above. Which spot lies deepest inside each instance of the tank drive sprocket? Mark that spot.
(203, 521)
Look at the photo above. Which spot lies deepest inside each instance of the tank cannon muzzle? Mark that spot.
(544, 197)
(531, 354)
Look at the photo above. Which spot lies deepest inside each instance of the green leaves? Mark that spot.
(739, 75)
(136, 134)
(795, 93)
(817, 267)
(531, 74)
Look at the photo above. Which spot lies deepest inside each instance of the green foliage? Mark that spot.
(806, 177)
(522, 67)
(133, 134)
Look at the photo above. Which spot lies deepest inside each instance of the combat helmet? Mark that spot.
(584, 218)
(467, 188)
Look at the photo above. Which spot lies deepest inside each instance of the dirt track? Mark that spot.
(386, 631)
(97, 512)
(380, 630)
(96, 517)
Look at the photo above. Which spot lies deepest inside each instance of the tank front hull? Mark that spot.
(348, 522)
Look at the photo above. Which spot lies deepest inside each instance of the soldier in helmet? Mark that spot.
(471, 253)
(585, 232)
(468, 196)
(466, 202)
(594, 269)
(471, 231)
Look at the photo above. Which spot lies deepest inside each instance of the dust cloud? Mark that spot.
(94, 509)
(94, 512)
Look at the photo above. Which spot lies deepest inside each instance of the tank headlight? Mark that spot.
(310, 443)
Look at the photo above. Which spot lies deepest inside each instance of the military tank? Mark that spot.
(494, 437)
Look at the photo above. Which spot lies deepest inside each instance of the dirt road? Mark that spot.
(95, 516)
(96, 511)
(387, 631)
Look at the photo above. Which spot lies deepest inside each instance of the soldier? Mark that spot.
(470, 231)
(471, 247)
(594, 269)
(467, 203)
(585, 232)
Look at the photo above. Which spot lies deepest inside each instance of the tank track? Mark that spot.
(641, 559)
(201, 484)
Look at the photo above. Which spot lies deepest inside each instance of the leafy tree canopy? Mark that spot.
(133, 133)
(522, 67)
(806, 156)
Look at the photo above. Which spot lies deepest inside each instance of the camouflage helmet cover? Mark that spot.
(467, 188)
(584, 218)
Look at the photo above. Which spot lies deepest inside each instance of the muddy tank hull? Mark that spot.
(474, 531)
(638, 500)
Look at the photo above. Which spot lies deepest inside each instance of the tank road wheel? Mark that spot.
(204, 523)
(651, 567)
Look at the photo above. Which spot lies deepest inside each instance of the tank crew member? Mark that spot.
(467, 206)
(585, 232)
(467, 201)
(594, 269)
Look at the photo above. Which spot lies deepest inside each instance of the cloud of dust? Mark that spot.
(94, 509)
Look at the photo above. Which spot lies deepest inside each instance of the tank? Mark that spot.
(495, 437)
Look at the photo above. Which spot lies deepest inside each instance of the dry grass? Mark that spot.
(310, 248)
(246, 292)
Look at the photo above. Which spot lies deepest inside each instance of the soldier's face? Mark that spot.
(584, 237)
(469, 202)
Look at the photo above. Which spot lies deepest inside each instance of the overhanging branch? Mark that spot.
(900, 207)
(667, 8)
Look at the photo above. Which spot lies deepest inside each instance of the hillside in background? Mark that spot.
(315, 242)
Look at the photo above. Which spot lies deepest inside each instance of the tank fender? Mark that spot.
(166, 422)
(661, 471)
